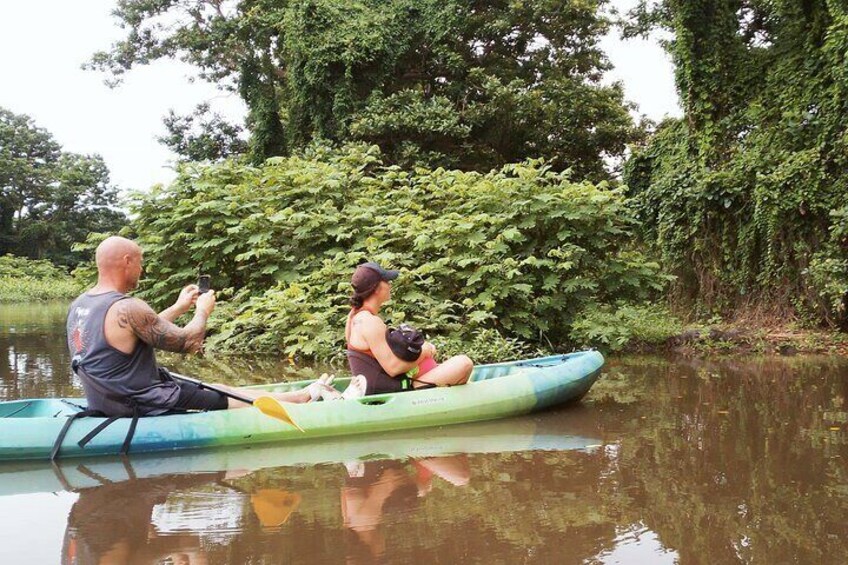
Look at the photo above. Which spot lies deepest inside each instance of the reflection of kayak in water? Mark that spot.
(543, 433)
(28, 428)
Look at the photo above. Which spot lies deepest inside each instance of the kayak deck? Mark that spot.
(28, 428)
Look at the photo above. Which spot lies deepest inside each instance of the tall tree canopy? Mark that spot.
(444, 82)
(745, 195)
(49, 199)
(203, 135)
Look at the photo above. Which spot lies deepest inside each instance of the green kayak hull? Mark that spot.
(546, 432)
(29, 428)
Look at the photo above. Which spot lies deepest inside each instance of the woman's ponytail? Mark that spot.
(357, 300)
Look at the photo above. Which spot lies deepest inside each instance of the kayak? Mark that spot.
(513, 435)
(29, 428)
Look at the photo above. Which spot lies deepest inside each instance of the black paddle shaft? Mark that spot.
(226, 393)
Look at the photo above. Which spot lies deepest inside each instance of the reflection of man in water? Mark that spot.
(111, 524)
(378, 487)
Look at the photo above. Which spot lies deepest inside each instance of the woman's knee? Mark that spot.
(467, 363)
(464, 366)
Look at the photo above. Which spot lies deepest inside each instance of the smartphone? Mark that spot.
(203, 283)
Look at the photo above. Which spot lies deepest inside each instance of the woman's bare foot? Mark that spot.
(356, 388)
(323, 388)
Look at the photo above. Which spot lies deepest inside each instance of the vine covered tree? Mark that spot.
(745, 195)
(471, 85)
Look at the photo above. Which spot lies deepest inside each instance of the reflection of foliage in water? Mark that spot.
(734, 465)
(33, 353)
(734, 459)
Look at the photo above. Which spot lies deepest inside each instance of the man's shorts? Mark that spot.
(192, 397)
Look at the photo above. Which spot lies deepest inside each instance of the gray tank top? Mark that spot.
(114, 381)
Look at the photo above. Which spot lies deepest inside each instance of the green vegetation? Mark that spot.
(469, 85)
(49, 198)
(23, 280)
(202, 136)
(744, 197)
(627, 325)
(498, 262)
(497, 138)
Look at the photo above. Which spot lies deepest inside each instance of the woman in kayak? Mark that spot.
(370, 355)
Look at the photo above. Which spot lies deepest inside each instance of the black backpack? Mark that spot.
(405, 342)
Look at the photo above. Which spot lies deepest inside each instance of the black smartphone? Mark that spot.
(203, 283)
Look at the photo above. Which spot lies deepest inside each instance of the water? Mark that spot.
(741, 460)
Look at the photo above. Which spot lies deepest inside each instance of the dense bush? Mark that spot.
(508, 259)
(616, 328)
(23, 279)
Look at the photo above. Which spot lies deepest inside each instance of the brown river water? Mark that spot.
(667, 460)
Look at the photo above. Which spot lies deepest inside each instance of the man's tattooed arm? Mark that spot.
(158, 331)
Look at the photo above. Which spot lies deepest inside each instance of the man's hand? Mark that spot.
(188, 296)
(206, 303)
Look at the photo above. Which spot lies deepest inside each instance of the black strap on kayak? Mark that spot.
(125, 448)
(57, 445)
(93, 433)
(73, 404)
(84, 413)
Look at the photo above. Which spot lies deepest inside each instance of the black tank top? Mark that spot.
(114, 381)
(379, 381)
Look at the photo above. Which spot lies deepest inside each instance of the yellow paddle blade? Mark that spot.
(273, 507)
(272, 407)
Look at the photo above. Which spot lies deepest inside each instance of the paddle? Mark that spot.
(268, 405)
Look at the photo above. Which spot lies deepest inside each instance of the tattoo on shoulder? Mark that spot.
(150, 328)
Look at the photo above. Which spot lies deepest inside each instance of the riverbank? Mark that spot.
(740, 339)
(29, 280)
(30, 290)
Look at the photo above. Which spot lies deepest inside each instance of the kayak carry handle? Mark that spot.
(372, 401)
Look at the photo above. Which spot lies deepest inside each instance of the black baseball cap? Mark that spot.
(368, 275)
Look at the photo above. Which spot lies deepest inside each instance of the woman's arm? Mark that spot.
(374, 331)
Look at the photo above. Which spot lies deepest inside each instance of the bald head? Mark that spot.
(119, 261)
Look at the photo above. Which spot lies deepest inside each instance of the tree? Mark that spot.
(28, 157)
(232, 43)
(472, 85)
(741, 195)
(49, 199)
(202, 137)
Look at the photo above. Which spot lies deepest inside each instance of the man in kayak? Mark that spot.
(112, 338)
(368, 351)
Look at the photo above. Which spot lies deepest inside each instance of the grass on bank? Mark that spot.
(30, 290)
(27, 280)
